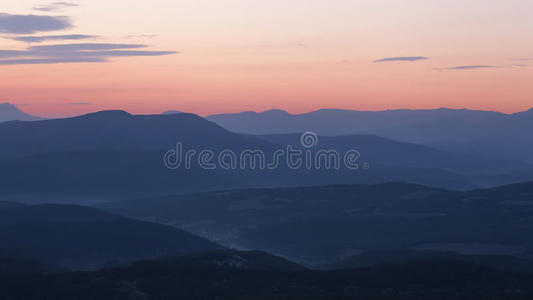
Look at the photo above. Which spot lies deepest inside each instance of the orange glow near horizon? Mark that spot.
(237, 55)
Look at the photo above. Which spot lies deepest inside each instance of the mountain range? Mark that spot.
(319, 225)
(487, 134)
(113, 154)
(420, 217)
(482, 133)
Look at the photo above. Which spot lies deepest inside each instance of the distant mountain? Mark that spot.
(109, 153)
(387, 152)
(115, 130)
(333, 122)
(9, 112)
(85, 238)
(481, 133)
(112, 154)
(351, 219)
(171, 112)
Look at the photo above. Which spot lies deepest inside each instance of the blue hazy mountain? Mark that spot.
(482, 133)
(115, 154)
(117, 130)
(171, 112)
(384, 151)
(9, 112)
(332, 122)
(82, 237)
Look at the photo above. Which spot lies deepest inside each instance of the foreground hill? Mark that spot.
(351, 219)
(210, 278)
(481, 133)
(368, 259)
(81, 237)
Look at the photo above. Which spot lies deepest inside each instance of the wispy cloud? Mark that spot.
(85, 47)
(21, 26)
(54, 6)
(39, 61)
(473, 67)
(401, 58)
(144, 36)
(40, 39)
(75, 53)
(27, 24)
(79, 103)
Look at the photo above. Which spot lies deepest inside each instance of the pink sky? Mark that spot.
(236, 55)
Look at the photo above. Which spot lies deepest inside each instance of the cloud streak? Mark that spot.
(75, 53)
(401, 58)
(11, 53)
(84, 47)
(40, 61)
(473, 67)
(29, 24)
(40, 39)
(54, 6)
(145, 36)
(79, 103)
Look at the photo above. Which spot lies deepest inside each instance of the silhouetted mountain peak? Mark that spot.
(172, 112)
(275, 112)
(9, 112)
(107, 114)
(527, 113)
(8, 106)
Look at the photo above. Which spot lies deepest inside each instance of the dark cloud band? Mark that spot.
(85, 47)
(28, 24)
(473, 67)
(79, 103)
(65, 53)
(40, 39)
(12, 53)
(401, 58)
(39, 61)
(54, 6)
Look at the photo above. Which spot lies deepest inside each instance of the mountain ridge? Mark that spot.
(9, 112)
(114, 152)
(84, 237)
(489, 134)
(378, 217)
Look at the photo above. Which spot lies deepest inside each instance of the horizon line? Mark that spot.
(18, 106)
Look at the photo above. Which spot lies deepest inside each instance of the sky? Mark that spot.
(221, 56)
